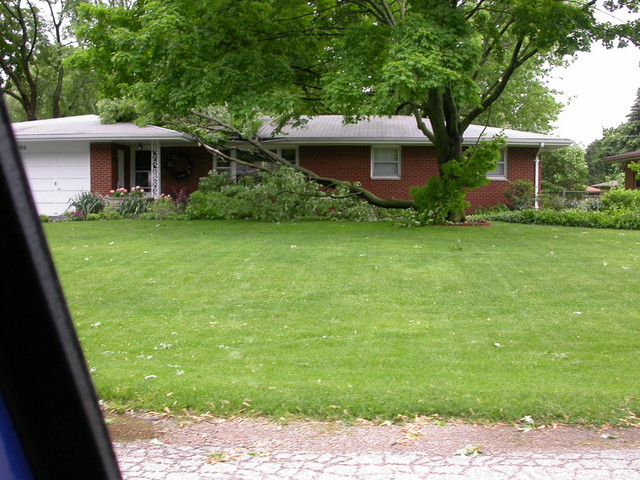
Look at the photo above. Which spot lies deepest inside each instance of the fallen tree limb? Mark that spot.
(272, 156)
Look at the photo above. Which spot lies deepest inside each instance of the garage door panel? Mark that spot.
(72, 171)
(39, 184)
(71, 184)
(46, 196)
(38, 168)
(57, 172)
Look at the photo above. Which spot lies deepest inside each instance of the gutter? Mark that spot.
(536, 204)
(104, 138)
(551, 143)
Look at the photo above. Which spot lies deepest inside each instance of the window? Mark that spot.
(242, 170)
(385, 162)
(121, 155)
(222, 165)
(233, 169)
(237, 170)
(288, 153)
(500, 172)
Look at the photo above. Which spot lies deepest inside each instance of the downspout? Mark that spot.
(536, 204)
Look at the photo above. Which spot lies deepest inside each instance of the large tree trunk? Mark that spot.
(446, 134)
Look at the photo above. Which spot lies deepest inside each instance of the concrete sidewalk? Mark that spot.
(158, 461)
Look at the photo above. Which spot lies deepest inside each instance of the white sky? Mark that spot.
(598, 90)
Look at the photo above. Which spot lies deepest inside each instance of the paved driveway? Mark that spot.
(148, 461)
(193, 448)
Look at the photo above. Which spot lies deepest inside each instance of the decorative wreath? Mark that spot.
(180, 165)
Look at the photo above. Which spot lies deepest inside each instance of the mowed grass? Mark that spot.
(357, 320)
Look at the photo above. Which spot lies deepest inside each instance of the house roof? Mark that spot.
(612, 183)
(323, 129)
(398, 129)
(623, 157)
(89, 127)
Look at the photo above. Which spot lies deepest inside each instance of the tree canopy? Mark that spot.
(564, 169)
(616, 140)
(36, 40)
(447, 63)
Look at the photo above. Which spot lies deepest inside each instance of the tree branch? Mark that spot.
(415, 111)
(518, 58)
(277, 159)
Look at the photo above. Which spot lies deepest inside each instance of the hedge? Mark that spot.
(621, 219)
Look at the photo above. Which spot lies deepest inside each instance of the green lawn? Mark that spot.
(337, 319)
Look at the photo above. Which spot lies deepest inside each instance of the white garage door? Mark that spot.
(57, 172)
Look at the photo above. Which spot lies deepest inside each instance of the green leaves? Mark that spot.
(180, 55)
(354, 58)
(443, 198)
(564, 169)
(280, 195)
(451, 63)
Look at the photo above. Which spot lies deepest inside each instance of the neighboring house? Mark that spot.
(598, 188)
(630, 181)
(387, 155)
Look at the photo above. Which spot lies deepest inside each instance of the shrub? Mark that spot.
(133, 205)
(552, 201)
(520, 194)
(110, 213)
(622, 200)
(591, 204)
(180, 200)
(436, 199)
(163, 207)
(86, 203)
(570, 218)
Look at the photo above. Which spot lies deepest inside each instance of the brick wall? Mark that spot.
(353, 163)
(104, 169)
(520, 166)
(350, 163)
(201, 164)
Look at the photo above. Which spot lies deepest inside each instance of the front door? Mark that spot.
(142, 170)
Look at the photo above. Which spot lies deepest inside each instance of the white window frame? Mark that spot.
(386, 176)
(278, 151)
(121, 154)
(502, 162)
(232, 168)
(134, 170)
(225, 169)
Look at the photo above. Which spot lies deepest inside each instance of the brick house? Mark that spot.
(387, 155)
